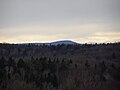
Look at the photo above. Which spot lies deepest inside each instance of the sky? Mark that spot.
(83, 21)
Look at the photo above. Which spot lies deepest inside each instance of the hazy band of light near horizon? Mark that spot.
(50, 20)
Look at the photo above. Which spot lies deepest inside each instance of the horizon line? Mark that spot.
(4, 42)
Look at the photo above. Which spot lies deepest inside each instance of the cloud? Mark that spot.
(87, 20)
(22, 12)
(101, 37)
(30, 38)
(81, 33)
(73, 31)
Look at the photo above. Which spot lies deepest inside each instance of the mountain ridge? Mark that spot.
(60, 42)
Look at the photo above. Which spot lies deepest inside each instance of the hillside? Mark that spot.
(67, 66)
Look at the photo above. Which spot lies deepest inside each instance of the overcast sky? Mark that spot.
(51, 20)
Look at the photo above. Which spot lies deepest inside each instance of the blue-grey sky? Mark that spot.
(50, 20)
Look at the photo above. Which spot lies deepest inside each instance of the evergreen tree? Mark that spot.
(2, 63)
(21, 63)
(11, 62)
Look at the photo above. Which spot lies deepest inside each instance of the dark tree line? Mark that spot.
(40, 71)
(61, 67)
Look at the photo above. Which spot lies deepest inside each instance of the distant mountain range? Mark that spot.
(65, 42)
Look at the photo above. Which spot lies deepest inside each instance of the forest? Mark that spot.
(60, 67)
